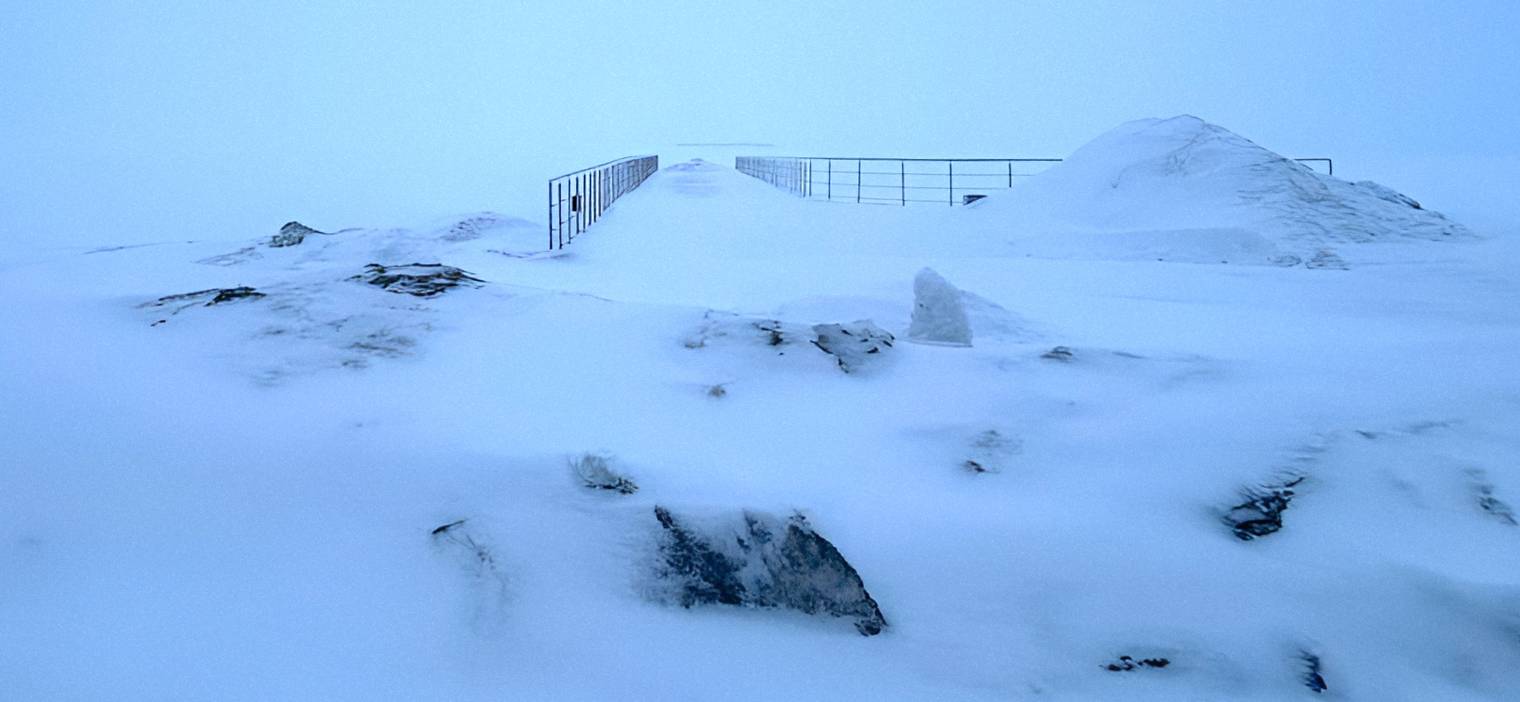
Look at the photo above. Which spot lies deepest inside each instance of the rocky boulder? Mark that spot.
(759, 560)
(418, 279)
(291, 234)
(853, 345)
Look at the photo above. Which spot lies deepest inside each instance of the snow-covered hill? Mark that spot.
(696, 456)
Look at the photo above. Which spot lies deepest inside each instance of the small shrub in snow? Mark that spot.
(487, 581)
(939, 314)
(595, 471)
(456, 534)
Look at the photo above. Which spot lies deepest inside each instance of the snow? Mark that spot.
(240, 502)
(939, 314)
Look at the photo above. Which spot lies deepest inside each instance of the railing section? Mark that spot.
(578, 199)
(900, 181)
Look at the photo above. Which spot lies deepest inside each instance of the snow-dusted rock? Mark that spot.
(419, 279)
(202, 298)
(1484, 491)
(291, 234)
(725, 326)
(1260, 512)
(939, 314)
(1063, 354)
(853, 345)
(759, 560)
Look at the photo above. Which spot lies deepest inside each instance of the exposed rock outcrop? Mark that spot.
(759, 560)
(1124, 664)
(1261, 511)
(419, 279)
(292, 234)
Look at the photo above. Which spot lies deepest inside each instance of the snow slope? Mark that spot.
(239, 502)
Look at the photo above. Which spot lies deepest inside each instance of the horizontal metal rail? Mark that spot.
(962, 180)
(577, 199)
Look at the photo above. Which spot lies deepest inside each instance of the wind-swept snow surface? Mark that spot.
(426, 462)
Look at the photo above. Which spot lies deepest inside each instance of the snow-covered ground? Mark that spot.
(239, 500)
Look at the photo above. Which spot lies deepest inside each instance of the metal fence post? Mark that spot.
(857, 181)
(902, 181)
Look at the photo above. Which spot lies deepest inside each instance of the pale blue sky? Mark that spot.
(134, 121)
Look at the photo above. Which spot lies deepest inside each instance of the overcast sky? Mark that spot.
(142, 121)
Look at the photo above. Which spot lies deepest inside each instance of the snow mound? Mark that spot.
(1199, 191)
(939, 312)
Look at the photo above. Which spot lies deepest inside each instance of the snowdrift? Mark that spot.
(1185, 189)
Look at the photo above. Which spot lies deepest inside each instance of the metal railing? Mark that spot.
(578, 199)
(899, 181)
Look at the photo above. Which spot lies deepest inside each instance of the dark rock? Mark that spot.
(292, 234)
(763, 561)
(595, 471)
(419, 279)
(774, 334)
(1312, 677)
(238, 293)
(853, 344)
(1059, 353)
(1128, 663)
(1261, 512)
(1488, 501)
(204, 298)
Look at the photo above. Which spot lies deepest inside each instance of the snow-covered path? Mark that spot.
(237, 502)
